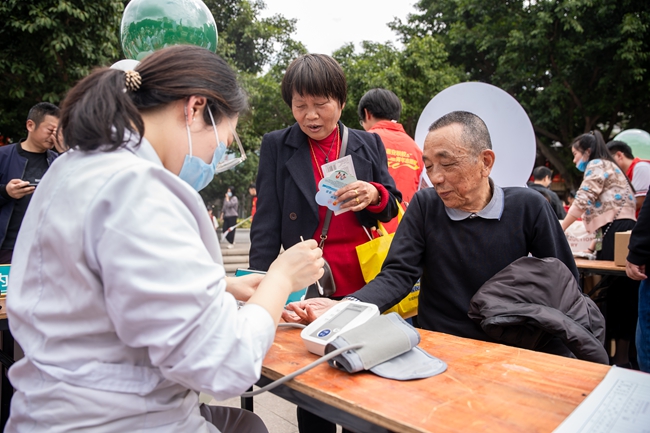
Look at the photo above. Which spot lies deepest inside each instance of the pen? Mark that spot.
(320, 288)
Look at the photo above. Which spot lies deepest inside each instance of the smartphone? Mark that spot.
(33, 184)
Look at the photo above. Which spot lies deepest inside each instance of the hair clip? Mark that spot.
(132, 80)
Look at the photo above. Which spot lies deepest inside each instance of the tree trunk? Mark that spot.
(556, 162)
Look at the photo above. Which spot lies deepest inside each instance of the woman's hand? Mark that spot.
(301, 265)
(243, 287)
(307, 311)
(360, 195)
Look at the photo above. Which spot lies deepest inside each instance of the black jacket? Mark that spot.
(286, 189)
(534, 302)
(553, 199)
(640, 240)
(12, 166)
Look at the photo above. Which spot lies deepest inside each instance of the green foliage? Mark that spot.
(48, 46)
(249, 42)
(575, 65)
(416, 74)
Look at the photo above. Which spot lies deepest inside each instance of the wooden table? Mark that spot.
(601, 267)
(3, 307)
(486, 388)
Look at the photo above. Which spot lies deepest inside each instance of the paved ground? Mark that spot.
(278, 414)
(242, 237)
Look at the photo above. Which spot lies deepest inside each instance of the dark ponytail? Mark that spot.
(99, 110)
(595, 143)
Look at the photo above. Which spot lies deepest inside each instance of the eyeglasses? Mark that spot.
(232, 163)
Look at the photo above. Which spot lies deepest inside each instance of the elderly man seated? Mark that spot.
(457, 236)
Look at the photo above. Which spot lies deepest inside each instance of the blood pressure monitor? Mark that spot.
(338, 319)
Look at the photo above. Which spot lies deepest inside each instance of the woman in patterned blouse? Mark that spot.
(605, 202)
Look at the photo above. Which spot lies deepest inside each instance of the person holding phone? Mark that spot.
(22, 165)
(118, 293)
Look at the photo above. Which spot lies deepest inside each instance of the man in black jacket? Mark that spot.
(22, 165)
(541, 181)
(457, 235)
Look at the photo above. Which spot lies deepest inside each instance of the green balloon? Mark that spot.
(149, 25)
(638, 140)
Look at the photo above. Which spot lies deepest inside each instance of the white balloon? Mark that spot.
(125, 65)
(513, 138)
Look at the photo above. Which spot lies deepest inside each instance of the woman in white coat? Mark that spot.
(118, 294)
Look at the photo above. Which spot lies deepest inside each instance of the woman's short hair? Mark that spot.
(315, 75)
(99, 110)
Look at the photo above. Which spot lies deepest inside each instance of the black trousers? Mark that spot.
(623, 294)
(227, 223)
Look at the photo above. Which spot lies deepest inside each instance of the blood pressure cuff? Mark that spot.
(389, 350)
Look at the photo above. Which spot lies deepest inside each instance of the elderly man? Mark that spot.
(457, 236)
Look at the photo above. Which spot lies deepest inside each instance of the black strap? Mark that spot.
(328, 215)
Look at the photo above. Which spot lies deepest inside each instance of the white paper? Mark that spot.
(619, 404)
(344, 164)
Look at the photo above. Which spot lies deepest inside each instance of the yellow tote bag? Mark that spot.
(371, 257)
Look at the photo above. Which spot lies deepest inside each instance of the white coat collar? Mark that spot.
(145, 150)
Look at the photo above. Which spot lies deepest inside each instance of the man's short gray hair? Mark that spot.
(475, 133)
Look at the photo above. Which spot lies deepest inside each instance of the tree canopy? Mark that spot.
(261, 50)
(574, 65)
(415, 74)
(47, 46)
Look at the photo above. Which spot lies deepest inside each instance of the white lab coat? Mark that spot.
(117, 297)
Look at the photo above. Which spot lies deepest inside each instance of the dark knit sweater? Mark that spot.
(455, 258)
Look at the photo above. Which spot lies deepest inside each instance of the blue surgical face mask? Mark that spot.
(229, 194)
(581, 165)
(195, 171)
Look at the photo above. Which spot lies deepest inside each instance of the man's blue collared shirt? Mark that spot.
(492, 211)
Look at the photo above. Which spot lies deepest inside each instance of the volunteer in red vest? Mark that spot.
(636, 169)
(379, 110)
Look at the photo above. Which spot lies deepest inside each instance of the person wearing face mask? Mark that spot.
(605, 202)
(229, 213)
(118, 294)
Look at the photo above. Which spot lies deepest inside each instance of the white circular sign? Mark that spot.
(125, 65)
(513, 138)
